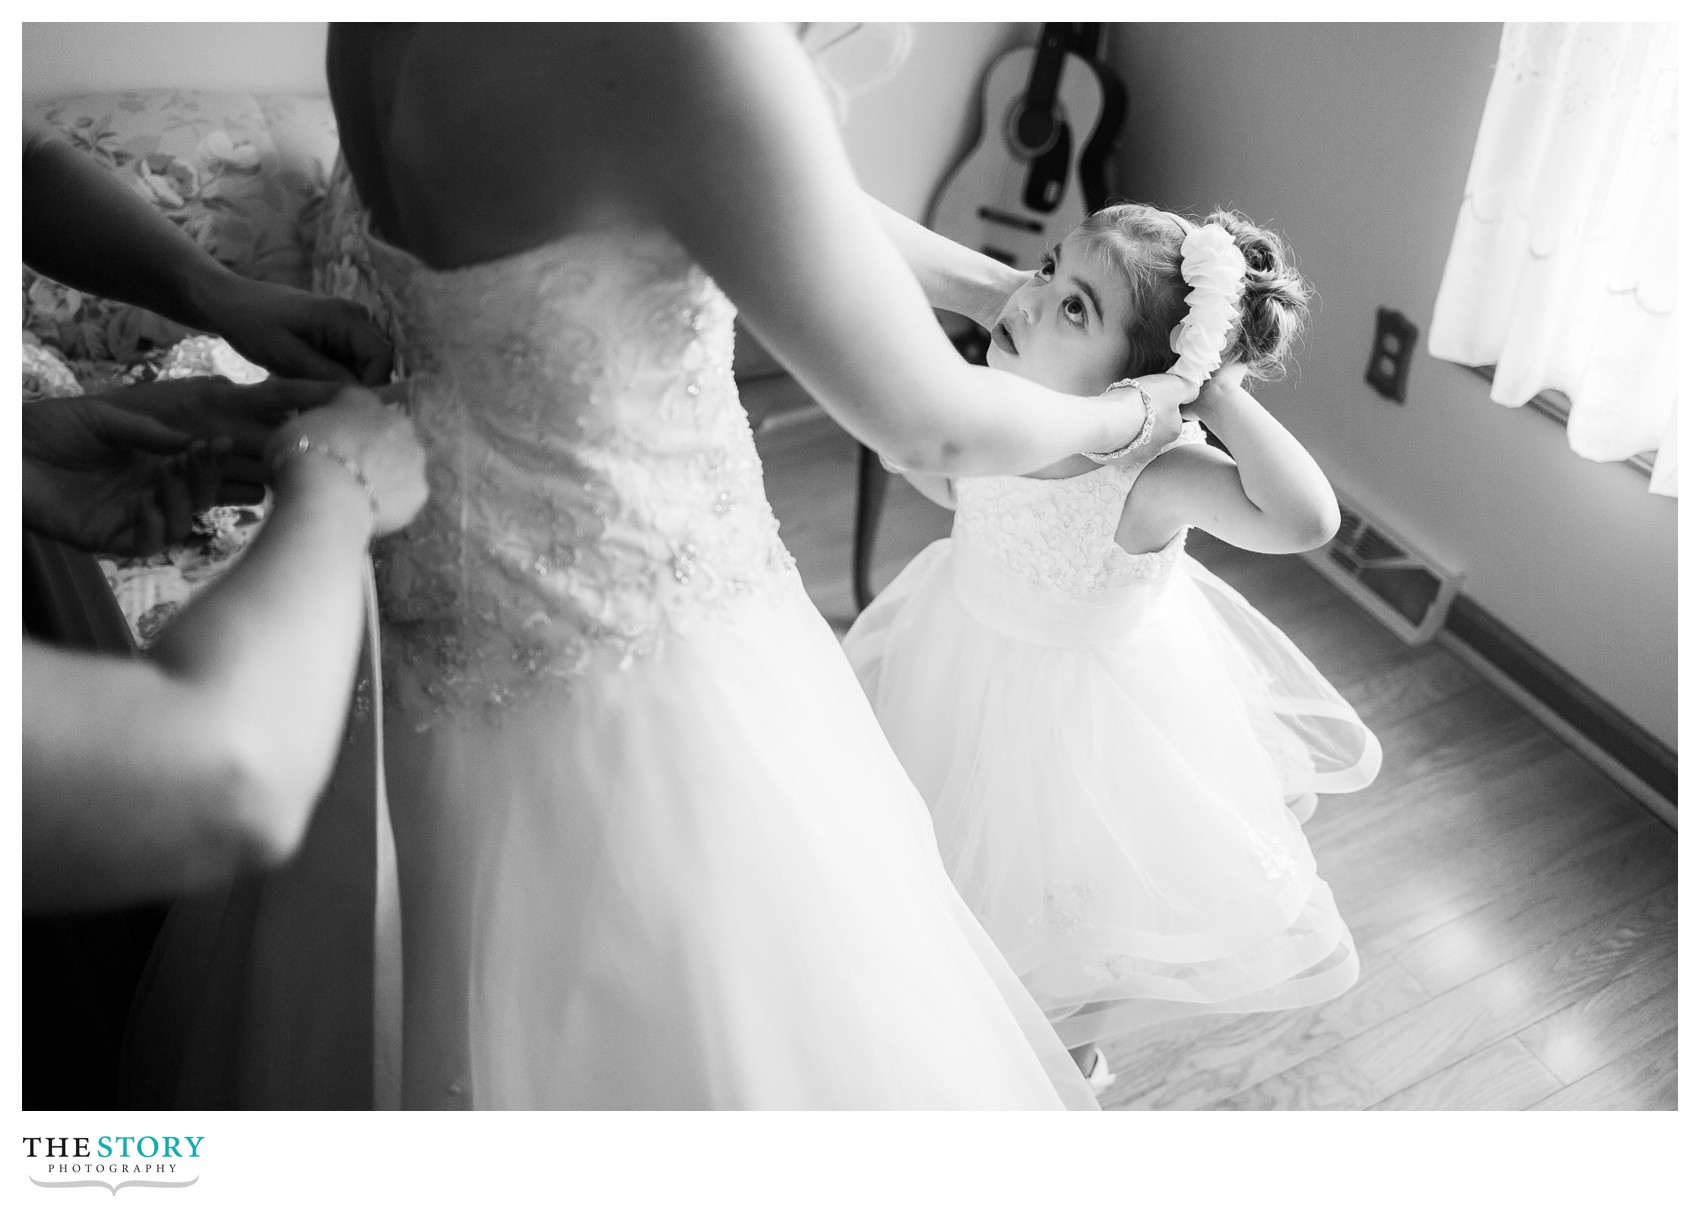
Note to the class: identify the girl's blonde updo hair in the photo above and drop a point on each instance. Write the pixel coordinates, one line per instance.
(1145, 243)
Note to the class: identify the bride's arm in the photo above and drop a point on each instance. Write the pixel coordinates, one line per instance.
(952, 276)
(153, 777)
(720, 134)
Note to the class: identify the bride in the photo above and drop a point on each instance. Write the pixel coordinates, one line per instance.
(653, 850)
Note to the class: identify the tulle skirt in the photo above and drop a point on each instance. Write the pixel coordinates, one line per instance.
(700, 881)
(1117, 785)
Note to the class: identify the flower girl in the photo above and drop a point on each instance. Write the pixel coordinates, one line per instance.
(1116, 748)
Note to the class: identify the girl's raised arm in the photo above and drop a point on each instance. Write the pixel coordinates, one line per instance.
(1268, 496)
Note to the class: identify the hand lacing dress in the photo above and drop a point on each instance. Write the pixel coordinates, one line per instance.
(654, 851)
(1117, 750)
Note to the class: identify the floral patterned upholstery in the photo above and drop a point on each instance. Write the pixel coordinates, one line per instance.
(244, 176)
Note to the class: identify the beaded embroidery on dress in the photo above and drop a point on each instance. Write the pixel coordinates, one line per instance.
(654, 851)
(594, 482)
(1117, 751)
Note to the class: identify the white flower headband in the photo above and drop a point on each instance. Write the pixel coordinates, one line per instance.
(1212, 264)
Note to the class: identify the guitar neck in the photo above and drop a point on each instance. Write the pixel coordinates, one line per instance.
(1047, 68)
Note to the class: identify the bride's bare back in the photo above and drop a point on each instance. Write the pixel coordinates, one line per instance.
(448, 132)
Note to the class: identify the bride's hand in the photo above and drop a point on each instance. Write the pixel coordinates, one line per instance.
(376, 439)
(1167, 394)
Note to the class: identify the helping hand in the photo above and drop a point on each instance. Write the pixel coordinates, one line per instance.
(300, 335)
(107, 480)
(379, 440)
(214, 408)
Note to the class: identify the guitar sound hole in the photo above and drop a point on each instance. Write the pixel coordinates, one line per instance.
(1035, 129)
(1032, 131)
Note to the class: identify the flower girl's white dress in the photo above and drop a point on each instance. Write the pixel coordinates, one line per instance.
(654, 851)
(1117, 751)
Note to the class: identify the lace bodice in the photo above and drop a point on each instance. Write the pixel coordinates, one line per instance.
(1060, 535)
(594, 481)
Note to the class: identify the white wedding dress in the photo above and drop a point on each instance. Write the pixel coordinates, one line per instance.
(654, 851)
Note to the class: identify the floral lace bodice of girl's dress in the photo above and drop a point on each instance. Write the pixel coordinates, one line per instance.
(594, 481)
(1060, 535)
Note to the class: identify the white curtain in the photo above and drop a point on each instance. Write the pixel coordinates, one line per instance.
(1563, 266)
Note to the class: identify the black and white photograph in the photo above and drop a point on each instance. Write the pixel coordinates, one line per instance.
(711, 565)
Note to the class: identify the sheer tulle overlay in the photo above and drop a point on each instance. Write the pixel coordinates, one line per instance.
(1118, 751)
(654, 850)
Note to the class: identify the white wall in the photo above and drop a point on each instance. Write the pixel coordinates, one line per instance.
(60, 58)
(905, 135)
(1355, 141)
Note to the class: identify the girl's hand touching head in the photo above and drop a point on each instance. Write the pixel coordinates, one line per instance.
(1228, 377)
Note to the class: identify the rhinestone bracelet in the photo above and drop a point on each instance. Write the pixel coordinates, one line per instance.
(1141, 437)
(305, 445)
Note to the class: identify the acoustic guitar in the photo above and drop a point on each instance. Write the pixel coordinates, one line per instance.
(1050, 115)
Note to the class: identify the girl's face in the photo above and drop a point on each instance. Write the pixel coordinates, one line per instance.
(1066, 328)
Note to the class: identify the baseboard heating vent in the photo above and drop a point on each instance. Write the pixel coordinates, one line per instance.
(1386, 574)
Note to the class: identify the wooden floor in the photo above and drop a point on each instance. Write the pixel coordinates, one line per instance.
(1515, 911)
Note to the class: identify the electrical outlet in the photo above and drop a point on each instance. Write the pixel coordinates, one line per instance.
(1390, 360)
